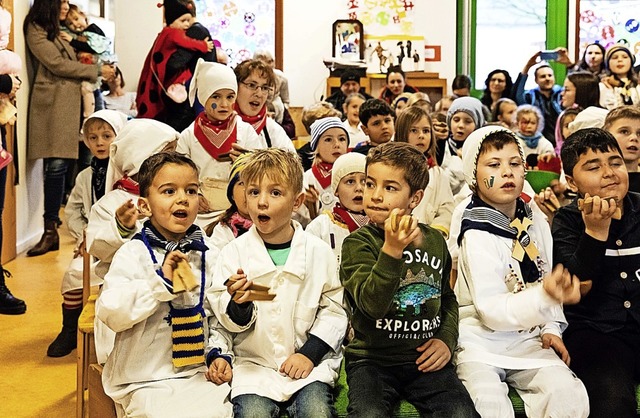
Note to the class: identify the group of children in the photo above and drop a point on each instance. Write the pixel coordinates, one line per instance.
(234, 282)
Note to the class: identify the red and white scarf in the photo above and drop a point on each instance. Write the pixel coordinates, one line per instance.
(258, 121)
(322, 172)
(216, 137)
(128, 185)
(352, 220)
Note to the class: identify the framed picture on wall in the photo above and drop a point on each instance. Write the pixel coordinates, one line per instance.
(348, 40)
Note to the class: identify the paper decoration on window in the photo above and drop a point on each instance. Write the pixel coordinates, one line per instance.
(241, 26)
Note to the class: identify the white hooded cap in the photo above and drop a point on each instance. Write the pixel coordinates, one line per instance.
(137, 141)
(116, 119)
(351, 162)
(471, 150)
(210, 77)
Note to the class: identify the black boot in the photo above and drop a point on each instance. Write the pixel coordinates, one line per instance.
(9, 304)
(67, 340)
(50, 241)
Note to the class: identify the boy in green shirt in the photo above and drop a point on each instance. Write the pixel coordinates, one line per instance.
(403, 311)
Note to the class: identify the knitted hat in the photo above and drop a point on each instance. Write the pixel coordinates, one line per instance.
(210, 77)
(471, 150)
(137, 141)
(349, 75)
(615, 48)
(469, 105)
(321, 126)
(591, 117)
(173, 9)
(351, 162)
(236, 168)
(115, 119)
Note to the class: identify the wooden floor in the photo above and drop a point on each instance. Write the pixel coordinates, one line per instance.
(32, 384)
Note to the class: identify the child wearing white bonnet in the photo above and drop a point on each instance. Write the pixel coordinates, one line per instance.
(348, 182)
(217, 136)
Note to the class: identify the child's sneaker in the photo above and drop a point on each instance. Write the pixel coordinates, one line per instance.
(5, 158)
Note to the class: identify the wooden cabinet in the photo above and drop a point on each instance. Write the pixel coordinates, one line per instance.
(372, 84)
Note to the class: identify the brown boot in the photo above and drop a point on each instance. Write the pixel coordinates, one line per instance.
(50, 241)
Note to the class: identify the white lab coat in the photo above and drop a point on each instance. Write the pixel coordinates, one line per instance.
(308, 299)
(77, 211)
(497, 326)
(134, 303)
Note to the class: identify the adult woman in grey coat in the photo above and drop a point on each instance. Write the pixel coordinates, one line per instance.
(55, 112)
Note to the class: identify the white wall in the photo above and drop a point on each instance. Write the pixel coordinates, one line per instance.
(307, 39)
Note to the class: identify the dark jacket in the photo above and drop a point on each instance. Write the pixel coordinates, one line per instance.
(613, 266)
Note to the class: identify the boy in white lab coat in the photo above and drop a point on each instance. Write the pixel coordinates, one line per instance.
(287, 351)
(157, 366)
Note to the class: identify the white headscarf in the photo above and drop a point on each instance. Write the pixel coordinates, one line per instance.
(137, 141)
(210, 77)
(471, 150)
(116, 119)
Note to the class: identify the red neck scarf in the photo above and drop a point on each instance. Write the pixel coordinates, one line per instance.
(216, 137)
(127, 185)
(258, 121)
(322, 172)
(239, 225)
(431, 162)
(352, 220)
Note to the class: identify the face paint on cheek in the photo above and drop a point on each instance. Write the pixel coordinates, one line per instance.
(489, 182)
(214, 106)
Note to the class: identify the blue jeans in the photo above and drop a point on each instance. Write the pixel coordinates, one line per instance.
(313, 400)
(55, 171)
(374, 391)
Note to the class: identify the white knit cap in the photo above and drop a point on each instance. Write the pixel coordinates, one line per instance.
(321, 126)
(591, 117)
(210, 77)
(471, 150)
(116, 119)
(351, 162)
(137, 141)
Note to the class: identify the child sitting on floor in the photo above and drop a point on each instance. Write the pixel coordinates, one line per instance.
(464, 116)
(511, 318)
(348, 181)
(377, 119)
(153, 298)
(115, 218)
(234, 221)
(217, 136)
(329, 140)
(415, 127)
(287, 340)
(404, 314)
(529, 123)
(99, 131)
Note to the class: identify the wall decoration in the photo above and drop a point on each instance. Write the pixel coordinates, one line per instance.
(608, 22)
(383, 17)
(390, 50)
(432, 52)
(241, 26)
(347, 40)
